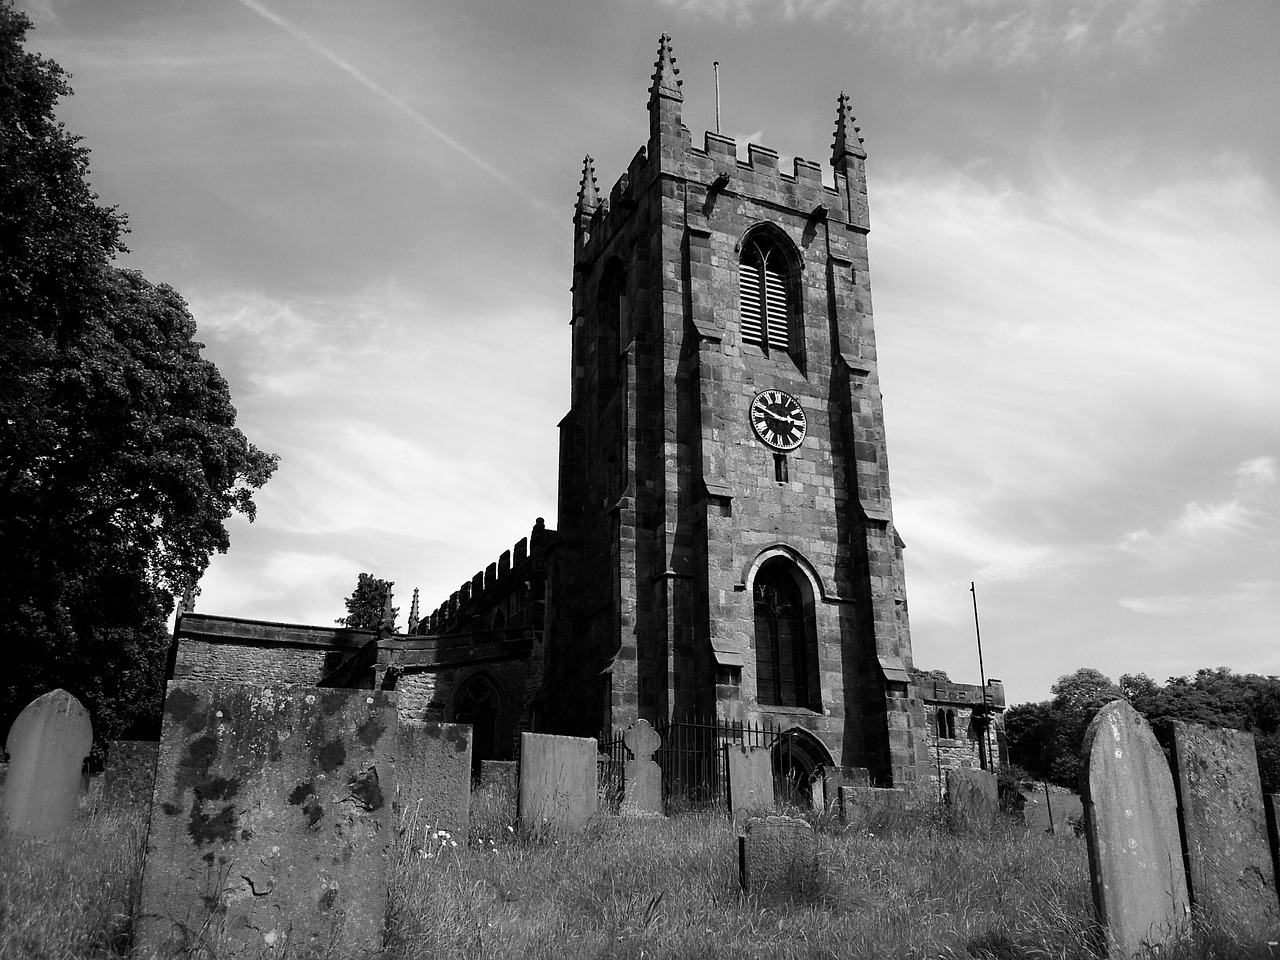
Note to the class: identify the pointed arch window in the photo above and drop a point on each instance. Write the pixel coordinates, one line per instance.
(479, 703)
(612, 309)
(764, 294)
(784, 638)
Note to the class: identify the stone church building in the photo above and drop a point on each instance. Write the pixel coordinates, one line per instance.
(725, 546)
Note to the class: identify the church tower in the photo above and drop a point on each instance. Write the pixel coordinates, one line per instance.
(726, 545)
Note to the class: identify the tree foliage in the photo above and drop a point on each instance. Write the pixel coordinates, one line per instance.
(366, 607)
(1045, 738)
(120, 460)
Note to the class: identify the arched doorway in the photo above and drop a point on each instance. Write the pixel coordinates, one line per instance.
(798, 759)
(479, 703)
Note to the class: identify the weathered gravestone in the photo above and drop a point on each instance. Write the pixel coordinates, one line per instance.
(433, 775)
(973, 797)
(1130, 815)
(271, 822)
(641, 777)
(47, 745)
(558, 790)
(130, 773)
(1230, 876)
(778, 855)
(501, 775)
(750, 776)
(1269, 802)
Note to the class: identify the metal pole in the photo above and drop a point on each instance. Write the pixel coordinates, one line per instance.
(716, 66)
(986, 733)
(937, 757)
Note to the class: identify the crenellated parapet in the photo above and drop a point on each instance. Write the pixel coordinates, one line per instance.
(713, 173)
(508, 594)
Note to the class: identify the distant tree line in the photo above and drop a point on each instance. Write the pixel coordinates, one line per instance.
(1045, 738)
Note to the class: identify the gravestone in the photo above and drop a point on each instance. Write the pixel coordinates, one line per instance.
(433, 775)
(1269, 801)
(641, 776)
(271, 822)
(130, 773)
(502, 775)
(1131, 825)
(558, 790)
(818, 793)
(778, 855)
(47, 745)
(973, 797)
(1230, 875)
(750, 771)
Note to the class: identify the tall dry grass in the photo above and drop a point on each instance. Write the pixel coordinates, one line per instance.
(893, 887)
(73, 895)
(669, 888)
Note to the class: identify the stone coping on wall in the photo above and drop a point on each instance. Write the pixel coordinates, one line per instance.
(218, 629)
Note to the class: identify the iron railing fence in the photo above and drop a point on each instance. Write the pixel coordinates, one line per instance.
(692, 758)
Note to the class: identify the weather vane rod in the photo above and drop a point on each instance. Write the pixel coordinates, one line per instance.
(715, 65)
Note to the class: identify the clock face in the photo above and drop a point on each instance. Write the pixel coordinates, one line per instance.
(778, 419)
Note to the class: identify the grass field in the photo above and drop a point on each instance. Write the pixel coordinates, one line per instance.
(890, 888)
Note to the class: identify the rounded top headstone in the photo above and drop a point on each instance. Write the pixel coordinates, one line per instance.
(47, 745)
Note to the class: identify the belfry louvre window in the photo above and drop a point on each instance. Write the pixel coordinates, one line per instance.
(762, 294)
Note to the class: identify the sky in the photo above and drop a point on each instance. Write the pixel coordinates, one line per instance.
(1075, 263)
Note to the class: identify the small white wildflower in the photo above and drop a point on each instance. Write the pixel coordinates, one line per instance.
(454, 842)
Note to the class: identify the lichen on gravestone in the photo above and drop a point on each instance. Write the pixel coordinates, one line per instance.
(1230, 873)
(777, 854)
(271, 823)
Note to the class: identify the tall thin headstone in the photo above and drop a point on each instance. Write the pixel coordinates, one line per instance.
(1230, 875)
(1131, 822)
(47, 745)
(750, 775)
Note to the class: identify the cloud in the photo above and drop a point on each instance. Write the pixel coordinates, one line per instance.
(1255, 594)
(952, 33)
(1250, 510)
(1257, 470)
(417, 438)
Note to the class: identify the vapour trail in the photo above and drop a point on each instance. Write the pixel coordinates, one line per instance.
(365, 80)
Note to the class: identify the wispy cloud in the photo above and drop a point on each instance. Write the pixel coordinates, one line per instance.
(952, 33)
(368, 82)
(1251, 504)
(1260, 593)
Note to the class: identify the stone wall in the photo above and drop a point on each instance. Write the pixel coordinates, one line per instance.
(952, 737)
(230, 648)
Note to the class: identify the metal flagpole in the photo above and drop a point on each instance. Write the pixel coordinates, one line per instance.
(986, 715)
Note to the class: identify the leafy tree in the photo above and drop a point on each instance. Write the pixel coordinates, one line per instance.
(366, 607)
(119, 456)
(1046, 737)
